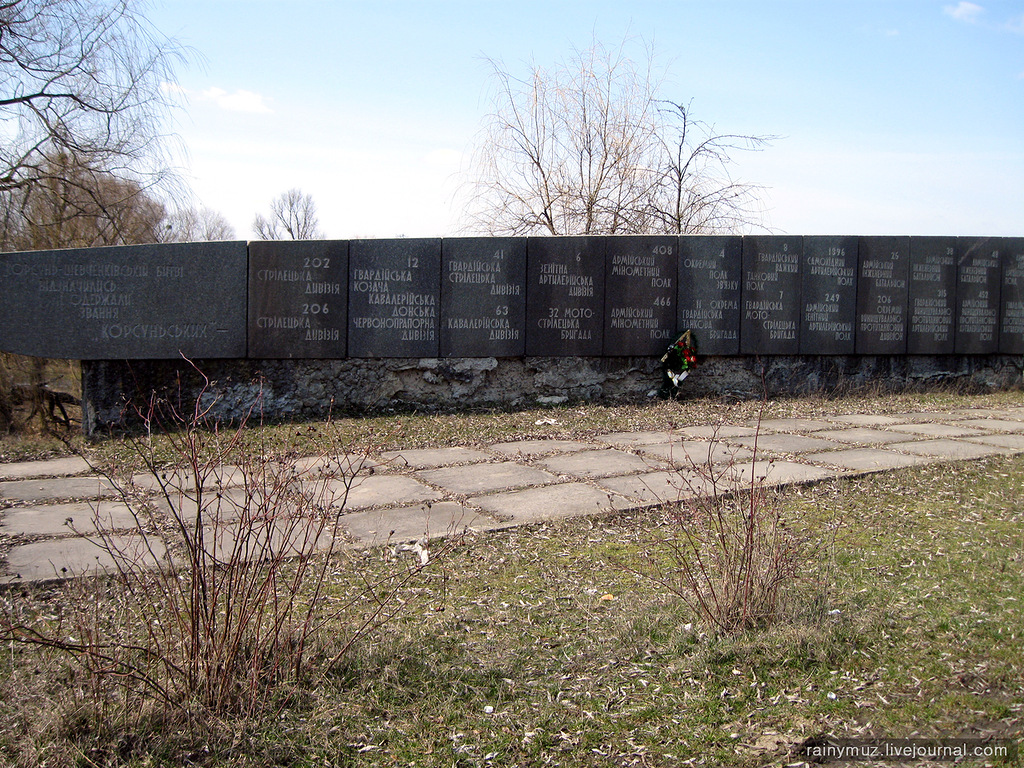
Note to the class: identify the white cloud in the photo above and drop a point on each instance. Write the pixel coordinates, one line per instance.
(239, 101)
(1016, 24)
(964, 11)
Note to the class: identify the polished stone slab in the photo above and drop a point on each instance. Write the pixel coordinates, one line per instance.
(770, 306)
(882, 294)
(977, 295)
(828, 298)
(710, 274)
(298, 299)
(483, 297)
(565, 296)
(640, 303)
(932, 295)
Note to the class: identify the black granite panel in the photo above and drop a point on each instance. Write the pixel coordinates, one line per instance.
(1011, 332)
(640, 298)
(931, 295)
(828, 296)
(125, 302)
(483, 297)
(710, 271)
(882, 292)
(394, 296)
(565, 296)
(978, 276)
(770, 321)
(298, 299)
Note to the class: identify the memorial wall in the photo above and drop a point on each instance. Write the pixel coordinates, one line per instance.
(581, 297)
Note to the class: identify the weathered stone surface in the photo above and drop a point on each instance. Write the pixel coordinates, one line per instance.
(394, 296)
(125, 302)
(865, 459)
(882, 291)
(770, 309)
(484, 478)
(54, 489)
(483, 297)
(67, 519)
(710, 271)
(828, 295)
(565, 296)
(951, 449)
(640, 300)
(977, 296)
(1011, 314)
(601, 463)
(428, 458)
(75, 556)
(553, 502)
(298, 299)
(932, 295)
(62, 467)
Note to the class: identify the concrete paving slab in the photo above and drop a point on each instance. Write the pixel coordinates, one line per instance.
(949, 449)
(711, 432)
(388, 526)
(786, 443)
(222, 506)
(994, 425)
(866, 419)
(665, 487)
(936, 430)
(925, 416)
(686, 453)
(261, 540)
(772, 473)
(67, 519)
(603, 463)
(77, 556)
(63, 467)
(185, 479)
(483, 478)
(1013, 442)
(379, 491)
(865, 459)
(988, 413)
(344, 465)
(552, 502)
(429, 458)
(794, 425)
(861, 436)
(633, 439)
(530, 448)
(57, 489)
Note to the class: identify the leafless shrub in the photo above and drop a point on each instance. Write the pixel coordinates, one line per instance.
(230, 579)
(732, 554)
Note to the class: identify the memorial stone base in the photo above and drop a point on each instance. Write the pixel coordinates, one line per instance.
(115, 393)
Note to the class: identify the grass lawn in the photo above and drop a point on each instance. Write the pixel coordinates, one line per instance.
(538, 646)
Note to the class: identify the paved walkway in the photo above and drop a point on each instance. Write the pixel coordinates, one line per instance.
(406, 495)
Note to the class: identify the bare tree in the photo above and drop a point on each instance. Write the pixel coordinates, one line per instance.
(196, 225)
(292, 217)
(589, 147)
(83, 78)
(75, 205)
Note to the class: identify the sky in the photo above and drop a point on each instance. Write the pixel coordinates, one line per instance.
(891, 116)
